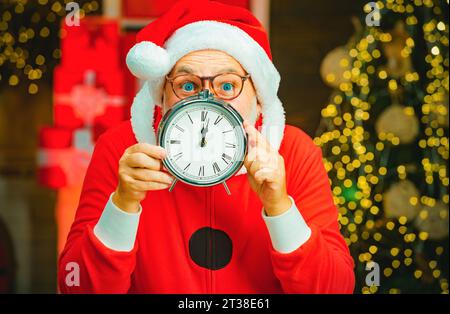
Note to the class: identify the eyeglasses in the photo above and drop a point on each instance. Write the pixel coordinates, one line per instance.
(226, 86)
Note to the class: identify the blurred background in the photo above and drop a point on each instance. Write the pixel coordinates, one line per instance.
(367, 80)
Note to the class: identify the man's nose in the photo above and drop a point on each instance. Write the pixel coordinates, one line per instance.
(207, 85)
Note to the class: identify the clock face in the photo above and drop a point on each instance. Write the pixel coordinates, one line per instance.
(205, 142)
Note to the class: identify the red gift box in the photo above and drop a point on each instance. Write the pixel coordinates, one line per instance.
(63, 156)
(86, 95)
(93, 44)
(52, 140)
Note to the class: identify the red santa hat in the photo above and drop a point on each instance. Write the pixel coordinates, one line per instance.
(197, 25)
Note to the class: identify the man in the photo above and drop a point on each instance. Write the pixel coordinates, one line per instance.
(277, 232)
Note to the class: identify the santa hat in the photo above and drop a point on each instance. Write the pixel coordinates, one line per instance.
(197, 25)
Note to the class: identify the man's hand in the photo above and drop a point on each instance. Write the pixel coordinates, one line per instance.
(266, 173)
(140, 170)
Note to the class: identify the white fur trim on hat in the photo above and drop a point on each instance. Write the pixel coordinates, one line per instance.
(143, 109)
(199, 36)
(147, 60)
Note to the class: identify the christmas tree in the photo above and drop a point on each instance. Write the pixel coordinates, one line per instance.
(384, 135)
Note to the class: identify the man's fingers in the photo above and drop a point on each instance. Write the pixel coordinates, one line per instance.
(261, 160)
(141, 160)
(150, 175)
(265, 174)
(259, 164)
(257, 156)
(258, 146)
(249, 129)
(251, 155)
(143, 186)
(255, 166)
(148, 149)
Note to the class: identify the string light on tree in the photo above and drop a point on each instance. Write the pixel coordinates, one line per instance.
(29, 36)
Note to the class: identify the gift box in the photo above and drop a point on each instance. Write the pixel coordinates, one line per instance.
(63, 156)
(92, 92)
(86, 95)
(51, 142)
(93, 44)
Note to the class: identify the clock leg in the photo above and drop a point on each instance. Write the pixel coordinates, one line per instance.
(173, 185)
(226, 188)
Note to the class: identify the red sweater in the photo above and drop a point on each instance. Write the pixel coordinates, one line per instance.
(163, 258)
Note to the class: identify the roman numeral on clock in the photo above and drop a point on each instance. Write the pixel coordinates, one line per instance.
(218, 119)
(185, 168)
(178, 156)
(179, 128)
(226, 158)
(204, 114)
(230, 145)
(216, 168)
(201, 171)
(175, 141)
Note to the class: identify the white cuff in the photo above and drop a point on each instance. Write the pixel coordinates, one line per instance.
(288, 231)
(117, 229)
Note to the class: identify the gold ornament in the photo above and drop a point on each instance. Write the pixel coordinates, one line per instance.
(397, 52)
(401, 200)
(442, 110)
(399, 121)
(434, 221)
(333, 66)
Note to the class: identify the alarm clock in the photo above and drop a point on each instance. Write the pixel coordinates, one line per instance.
(205, 141)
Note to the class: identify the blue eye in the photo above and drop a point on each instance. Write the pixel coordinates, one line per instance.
(227, 87)
(188, 87)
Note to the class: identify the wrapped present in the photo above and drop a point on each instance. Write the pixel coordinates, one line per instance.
(63, 156)
(79, 104)
(89, 94)
(131, 85)
(94, 44)
(52, 141)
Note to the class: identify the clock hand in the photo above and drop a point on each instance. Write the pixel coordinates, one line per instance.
(203, 132)
(207, 124)
(205, 128)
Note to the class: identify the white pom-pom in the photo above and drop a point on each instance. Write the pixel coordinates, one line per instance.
(147, 60)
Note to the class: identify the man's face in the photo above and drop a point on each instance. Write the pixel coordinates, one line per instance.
(206, 63)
